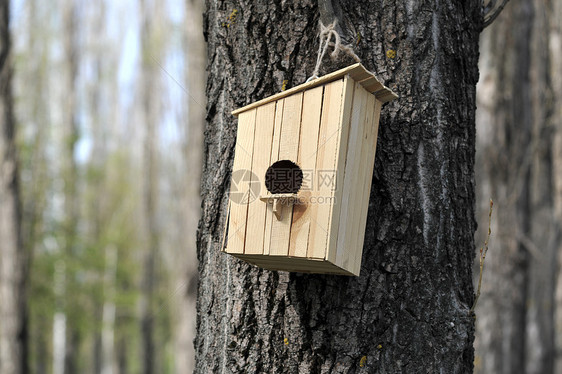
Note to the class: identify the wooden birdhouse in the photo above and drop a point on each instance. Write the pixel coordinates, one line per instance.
(302, 174)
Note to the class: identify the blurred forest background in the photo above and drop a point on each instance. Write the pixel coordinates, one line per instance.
(108, 105)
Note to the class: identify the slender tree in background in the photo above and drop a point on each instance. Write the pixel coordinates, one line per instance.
(12, 274)
(65, 334)
(409, 309)
(555, 51)
(149, 107)
(105, 204)
(193, 153)
(33, 116)
(518, 163)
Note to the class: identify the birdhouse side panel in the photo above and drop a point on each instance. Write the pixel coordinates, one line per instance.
(288, 150)
(306, 159)
(366, 181)
(350, 245)
(261, 156)
(241, 181)
(340, 153)
(352, 175)
(323, 193)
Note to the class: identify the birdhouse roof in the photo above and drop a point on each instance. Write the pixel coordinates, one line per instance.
(356, 71)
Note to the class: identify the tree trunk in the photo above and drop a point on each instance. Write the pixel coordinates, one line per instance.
(149, 106)
(64, 331)
(193, 152)
(30, 71)
(108, 317)
(12, 274)
(555, 60)
(516, 167)
(409, 309)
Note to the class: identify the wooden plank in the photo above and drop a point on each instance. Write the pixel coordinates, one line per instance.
(372, 85)
(353, 167)
(363, 195)
(355, 218)
(240, 182)
(339, 166)
(358, 75)
(385, 95)
(288, 150)
(362, 200)
(312, 108)
(296, 264)
(274, 156)
(372, 125)
(257, 209)
(325, 154)
(352, 70)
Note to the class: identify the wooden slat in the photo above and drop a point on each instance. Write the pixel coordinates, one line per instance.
(274, 156)
(288, 150)
(385, 95)
(240, 186)
(363, 195)
(339, 166)
(359, 75)
(297, 264)
(352, 70)
(373, 85)
(372, 125)
(353, 166)
(361, 199)
(265, 121)
(312, 108)
(325, 155)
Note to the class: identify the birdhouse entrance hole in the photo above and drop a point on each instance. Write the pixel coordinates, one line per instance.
(283, 177)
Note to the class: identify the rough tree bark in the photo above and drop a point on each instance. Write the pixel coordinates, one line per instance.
(516, 165)
(409, 309)
(12, 280)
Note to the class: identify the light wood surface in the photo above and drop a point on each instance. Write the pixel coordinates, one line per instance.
(372, 124)
(356, 71)
(274, 156)
(241, 186)
(288, 150)
(308, 143)
(353, 169)
(265, 121)
(325, 154)
(339, 166)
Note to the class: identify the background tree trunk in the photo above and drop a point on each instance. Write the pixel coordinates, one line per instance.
(66, 338)
(193, 152)
(555, 50)
(409, 309)
(150, 104)
(516, 166)
(12, 271)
